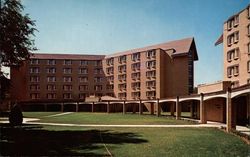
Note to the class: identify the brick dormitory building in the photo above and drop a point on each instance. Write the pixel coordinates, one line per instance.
(154, 78)
(157, 71)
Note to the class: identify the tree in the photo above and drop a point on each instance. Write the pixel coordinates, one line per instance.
(16, 116)
(16, 31)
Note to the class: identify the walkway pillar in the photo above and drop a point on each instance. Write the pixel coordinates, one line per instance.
(248, 108)
(124, 107)
(92, 107)
(62, 107)
(45, 107)
(108, 105)
(172, 109)
(231, 123)
(178, 108)
(192, 109)
(203, 117)
(77, 106)
(158, 105)
(152, 108)
(134, 108)
(140, 108)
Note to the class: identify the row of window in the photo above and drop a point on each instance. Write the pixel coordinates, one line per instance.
(65, 95)
(65, 79)
(234, 70)
(137, 85)
(134, 57)
(36, 87)
(137, 95)
(67, 62)
(36, 70)
(134, 76)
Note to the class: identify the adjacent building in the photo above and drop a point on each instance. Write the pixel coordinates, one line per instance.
(236, 45)
(158, 71)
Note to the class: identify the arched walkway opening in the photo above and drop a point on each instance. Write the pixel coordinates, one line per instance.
(242, 109)
(215, 109)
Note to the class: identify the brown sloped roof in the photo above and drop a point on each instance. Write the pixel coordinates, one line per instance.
(180, 46)
(66, 56)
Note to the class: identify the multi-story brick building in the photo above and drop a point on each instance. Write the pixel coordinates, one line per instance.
(236, 44)
(157, 71)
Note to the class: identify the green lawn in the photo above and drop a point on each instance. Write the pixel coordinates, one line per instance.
(104, 118)
(38, 140)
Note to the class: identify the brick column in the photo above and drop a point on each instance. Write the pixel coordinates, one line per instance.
(92, 107)
(192, 109)
(140, 108)
(45, 107)
(152, 108)
(77, 107)
(124, 107)
(62, 107)
(158, 105)
(248, 108)
(231, 123)
(108, 105)
(172, 109)
(178, 108)
(203, 117)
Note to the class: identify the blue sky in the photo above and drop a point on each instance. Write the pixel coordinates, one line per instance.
(108, 26)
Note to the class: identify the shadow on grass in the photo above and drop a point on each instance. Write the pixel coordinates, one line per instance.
(33, 140)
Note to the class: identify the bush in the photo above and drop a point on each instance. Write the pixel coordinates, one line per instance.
(16, 116)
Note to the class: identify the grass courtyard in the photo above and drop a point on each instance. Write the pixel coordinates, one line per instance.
(33, 140)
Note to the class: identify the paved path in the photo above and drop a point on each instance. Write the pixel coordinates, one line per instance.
(59, 114)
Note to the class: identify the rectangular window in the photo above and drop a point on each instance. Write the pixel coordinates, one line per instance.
(110, 79)
(98, 79)
(151, 94)
(98, 71)
(51, 62)
(151, 54)
(34, 61)
(67, 87)
(34, 70)
(122, 95)
(83, 87)
(151, 64)
(97, 63)
(229, 72)
(51, 87)
(236, 20)
(248, 66)
(151, 84)
(67, 79)
(122, 77)
(82, 95)
(83, 63)
(248, 48)
(122, 87)
(51, 96)
(122, 59)
(98, 87)
(110, 87)
(51, 70)
(110, 61)
(67, 62)
(67, 70)
(34, 79)
(248, 10)
(83, 71)
(135, 95)
(35, 96)
(83, 79)
(136, 85)
(230, 24)
(150, 74)
(67, 96)
(236, 70)
(122, 68)
(136, 76)
(135, 66)
(135, 56)
(34, 87)
(51, 79)
(110, 70)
